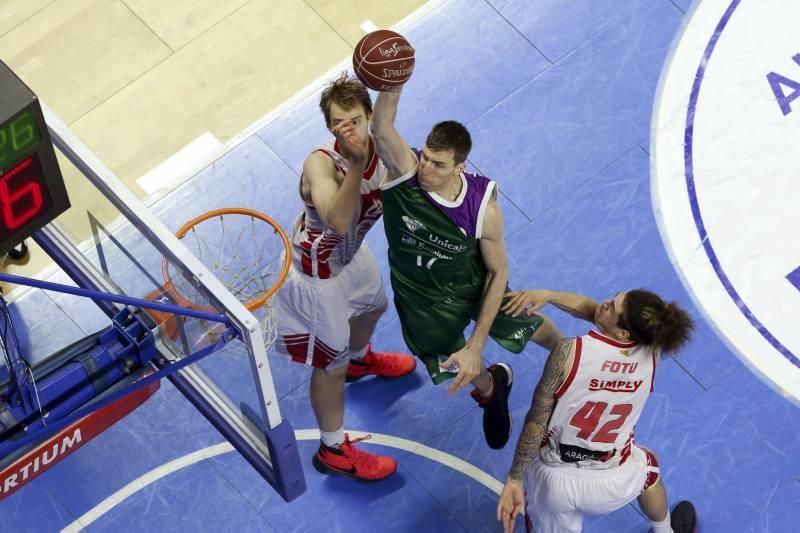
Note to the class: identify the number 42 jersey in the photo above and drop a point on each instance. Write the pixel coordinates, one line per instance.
(599, 403)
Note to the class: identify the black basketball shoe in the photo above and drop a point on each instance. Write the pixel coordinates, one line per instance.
(496, 417)
(683, 517)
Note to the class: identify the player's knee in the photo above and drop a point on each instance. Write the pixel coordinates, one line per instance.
(382, 308)
(335, 373)
(338, 372)
(374, 314)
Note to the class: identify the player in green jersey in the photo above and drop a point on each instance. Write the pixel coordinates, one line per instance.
(448, 263)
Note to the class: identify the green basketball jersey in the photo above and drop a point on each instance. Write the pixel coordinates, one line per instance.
(434, 255)
(437, 270)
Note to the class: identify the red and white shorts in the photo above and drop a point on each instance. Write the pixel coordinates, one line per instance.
(313, 314)
(556, 497)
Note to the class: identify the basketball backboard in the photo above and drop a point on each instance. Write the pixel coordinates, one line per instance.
(113, 240)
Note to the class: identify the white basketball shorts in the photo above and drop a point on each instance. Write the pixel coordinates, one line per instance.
(313, 314)
(556, 497)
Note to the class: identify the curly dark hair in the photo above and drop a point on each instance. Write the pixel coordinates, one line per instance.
(653, 322)
(348, 93)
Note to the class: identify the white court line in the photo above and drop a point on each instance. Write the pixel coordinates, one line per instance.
(368, 26)
(303, 434)
(185, 161)
(313, 88)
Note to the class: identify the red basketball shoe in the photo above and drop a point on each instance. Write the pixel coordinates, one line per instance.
(347, 460)
(384, 364)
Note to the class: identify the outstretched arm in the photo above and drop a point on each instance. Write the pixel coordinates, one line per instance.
(555, 371)
(532, 300)
(391, 147)
(493, 251)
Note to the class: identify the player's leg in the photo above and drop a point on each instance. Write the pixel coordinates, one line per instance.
(363, 326)
(432, 330)
(653, 497)
(364, 361)
(682, 518)
(547, 334)
(313, 330)
(362, 283)
(337, 454)
(327, 400)
(550, 496)
(653, 502)
(493, 385)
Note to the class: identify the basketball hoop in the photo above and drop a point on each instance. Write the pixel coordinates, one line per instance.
(247, 251)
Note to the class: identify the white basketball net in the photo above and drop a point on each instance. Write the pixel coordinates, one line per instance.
(247, 255)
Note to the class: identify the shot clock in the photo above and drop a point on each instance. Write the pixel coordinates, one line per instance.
(32, 191)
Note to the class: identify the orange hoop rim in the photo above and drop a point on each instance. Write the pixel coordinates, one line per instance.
(252, 305)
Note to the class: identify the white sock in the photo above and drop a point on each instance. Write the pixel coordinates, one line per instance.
(661, 527)
(359, 354)
(332, 439)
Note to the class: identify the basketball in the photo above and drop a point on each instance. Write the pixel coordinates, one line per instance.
(383, 60)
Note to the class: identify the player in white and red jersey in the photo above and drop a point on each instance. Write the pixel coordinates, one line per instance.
(576, 453)
(333, 296)
(321, 251)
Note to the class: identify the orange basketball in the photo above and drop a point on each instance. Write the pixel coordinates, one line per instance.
(383, 60)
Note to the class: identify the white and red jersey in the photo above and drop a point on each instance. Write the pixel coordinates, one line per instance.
(599, 403)
(320, 252)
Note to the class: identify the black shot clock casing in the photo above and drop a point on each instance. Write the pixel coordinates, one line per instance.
(32, 190)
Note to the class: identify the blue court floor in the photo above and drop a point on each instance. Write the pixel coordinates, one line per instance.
(558, 97)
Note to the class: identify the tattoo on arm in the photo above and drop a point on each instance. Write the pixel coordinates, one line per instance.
(544, 402)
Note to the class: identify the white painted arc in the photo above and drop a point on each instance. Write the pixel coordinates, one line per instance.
(303, 434)
(142, 481)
